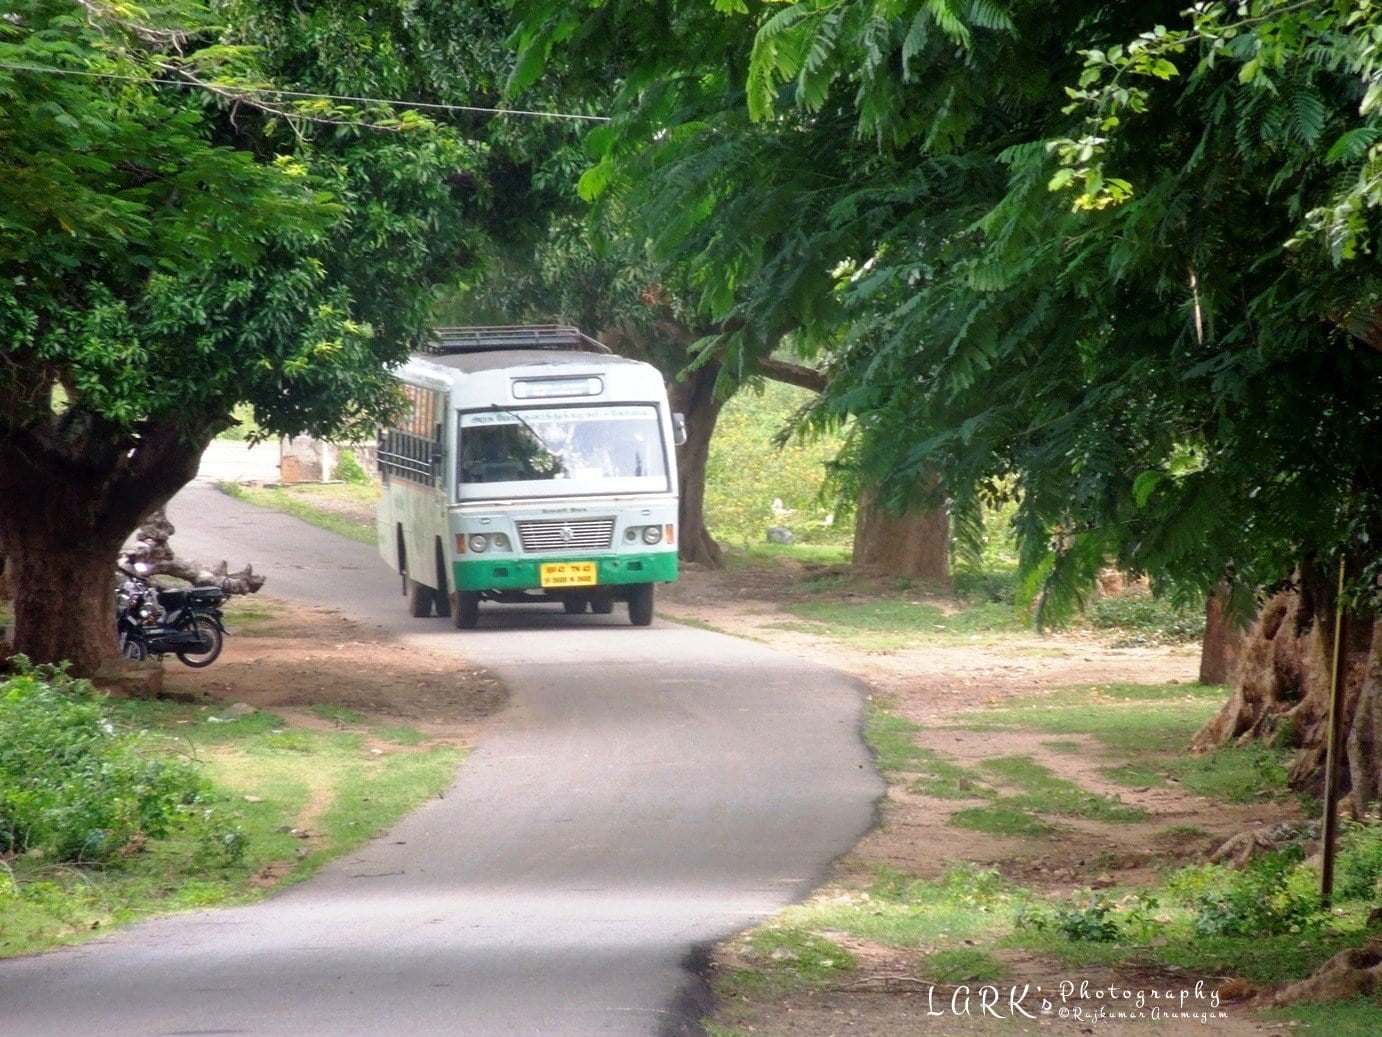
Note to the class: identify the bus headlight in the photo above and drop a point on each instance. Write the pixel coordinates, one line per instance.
(631, 534)
(479, 542)
(499, 541)
(652, 534)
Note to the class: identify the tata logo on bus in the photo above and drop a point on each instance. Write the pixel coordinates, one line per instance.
(567, 534)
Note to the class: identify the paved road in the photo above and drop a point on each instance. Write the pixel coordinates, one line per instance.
(648, 792)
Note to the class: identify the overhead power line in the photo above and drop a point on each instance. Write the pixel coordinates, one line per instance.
(251, 92)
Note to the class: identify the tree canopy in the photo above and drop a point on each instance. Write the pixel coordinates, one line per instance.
(177, 236)
(1174, 372)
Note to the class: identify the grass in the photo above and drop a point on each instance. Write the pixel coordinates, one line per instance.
(303, 502)
(275, 778)
(1043, 792)
(1357, 1015)
(967, 923)
(886, 624)
(1143, 730)
(1006, 817)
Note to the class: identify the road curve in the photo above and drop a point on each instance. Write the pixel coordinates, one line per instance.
(647, 792)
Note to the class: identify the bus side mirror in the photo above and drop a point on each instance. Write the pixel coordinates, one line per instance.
(679, 429)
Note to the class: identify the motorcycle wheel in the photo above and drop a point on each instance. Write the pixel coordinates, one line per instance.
(133, 648)
(197, 660)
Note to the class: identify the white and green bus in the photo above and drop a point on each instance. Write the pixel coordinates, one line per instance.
(531, 465)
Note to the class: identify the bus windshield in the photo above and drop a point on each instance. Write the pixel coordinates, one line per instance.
(565, 451)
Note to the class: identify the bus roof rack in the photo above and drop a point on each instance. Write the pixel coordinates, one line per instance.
(512, 336)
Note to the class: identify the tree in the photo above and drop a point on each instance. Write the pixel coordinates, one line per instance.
(170, 251)
(1175, 373)
(682, 66)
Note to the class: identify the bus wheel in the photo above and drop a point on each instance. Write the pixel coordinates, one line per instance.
(574, 606)
(465, 609)
(441, 598)
(421, 598)
(641, 604)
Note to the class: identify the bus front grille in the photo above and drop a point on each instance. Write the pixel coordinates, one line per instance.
(573, 535)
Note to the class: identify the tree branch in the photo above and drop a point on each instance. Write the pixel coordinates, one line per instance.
(793, 374)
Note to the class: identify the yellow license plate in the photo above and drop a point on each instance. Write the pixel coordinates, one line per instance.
(568, 574)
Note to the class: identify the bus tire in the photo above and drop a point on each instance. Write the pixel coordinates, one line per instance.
(641, 604)
(465, 610)
(441, 598)
(574, 606)
(421, 599)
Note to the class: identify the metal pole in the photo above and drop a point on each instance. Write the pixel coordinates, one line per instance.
(1329, 828)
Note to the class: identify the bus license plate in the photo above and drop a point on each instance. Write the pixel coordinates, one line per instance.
(568, 574)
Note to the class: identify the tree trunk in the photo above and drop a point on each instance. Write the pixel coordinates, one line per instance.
(694, 396)
(915, 544)
(1222, 644)
(1281, 694)
(71, 490)
(64, 599)
(1365, 734)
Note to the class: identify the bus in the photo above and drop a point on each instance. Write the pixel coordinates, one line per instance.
(529, 465)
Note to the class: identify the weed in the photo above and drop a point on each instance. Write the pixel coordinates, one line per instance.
(73, 787)
(1145, 619)
(1359, 865)
(348, 470)
(1260, 901)
(276, 778)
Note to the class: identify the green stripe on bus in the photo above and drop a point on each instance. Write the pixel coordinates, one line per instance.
(508, 574)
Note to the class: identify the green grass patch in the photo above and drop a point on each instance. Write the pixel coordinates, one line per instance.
(304, 502)
(1043, 792)
(1142, 619)
(963, 965)
(750, 556)
(1236, 774)
(337, 714)
(900, 910)
(889, 624)
(400, 735)
(1066, 748)
(1158, 719)
(244, 611)
(268, 778)
(747, 471)
(1356, 1015)
(1006, 817)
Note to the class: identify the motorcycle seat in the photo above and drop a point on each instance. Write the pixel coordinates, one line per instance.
(195, 596)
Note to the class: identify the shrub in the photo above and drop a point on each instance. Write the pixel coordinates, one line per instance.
(71, 786)
(1092, 922)
(1263, 900)
(348, 469)
(1147, 619)
(1359, 866)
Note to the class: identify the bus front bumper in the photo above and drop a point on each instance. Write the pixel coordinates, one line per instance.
(502, 574)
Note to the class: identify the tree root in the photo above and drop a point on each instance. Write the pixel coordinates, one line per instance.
(1348, 974)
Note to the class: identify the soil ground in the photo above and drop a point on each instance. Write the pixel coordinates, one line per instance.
(300, 662)
(932, 684)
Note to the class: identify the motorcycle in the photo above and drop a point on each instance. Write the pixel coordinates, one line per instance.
(186, 623)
